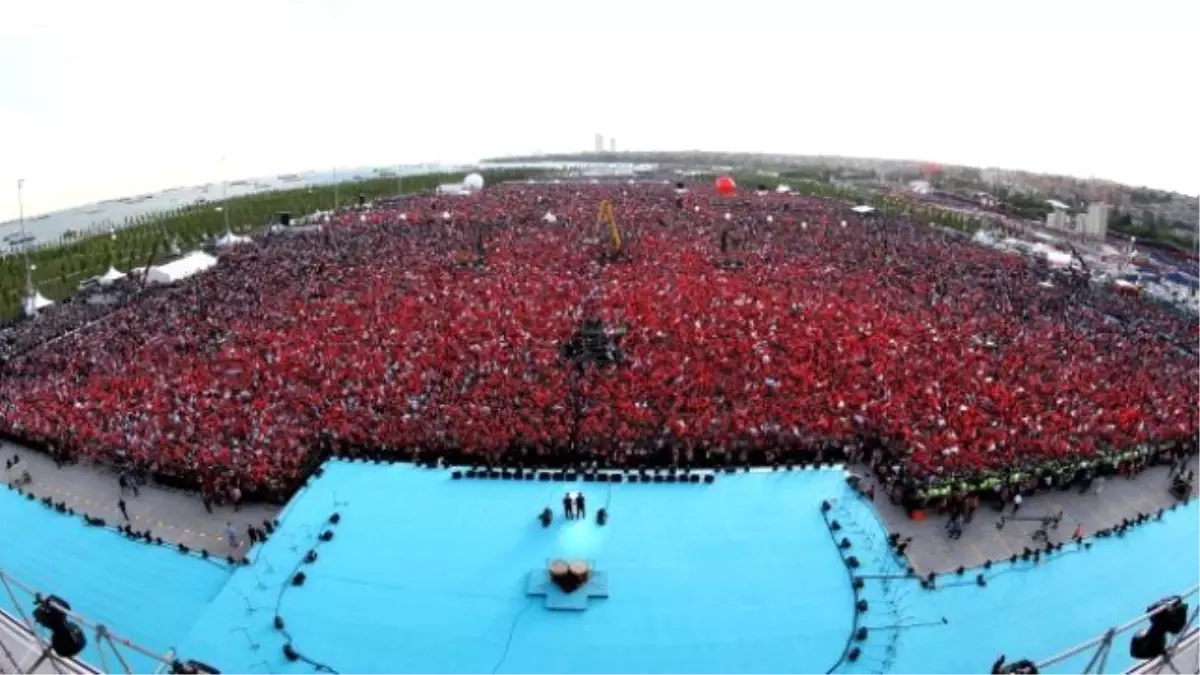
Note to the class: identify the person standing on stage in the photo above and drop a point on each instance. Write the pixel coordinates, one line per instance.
(580, 507)
(568, 512)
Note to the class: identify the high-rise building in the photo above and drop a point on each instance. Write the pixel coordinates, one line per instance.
(612, 145)
(1096, 222)
(599, 142)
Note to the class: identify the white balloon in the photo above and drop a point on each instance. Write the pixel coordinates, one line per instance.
(473, 182)
(445, 215)
(728, 217)
(697, 209)
(770, 219)
(843, 223)
(403, 216)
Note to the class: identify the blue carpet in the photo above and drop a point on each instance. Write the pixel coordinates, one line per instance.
(428, 574)
(145, 593)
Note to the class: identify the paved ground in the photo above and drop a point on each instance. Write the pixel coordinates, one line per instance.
(932, 551)
(174, 515)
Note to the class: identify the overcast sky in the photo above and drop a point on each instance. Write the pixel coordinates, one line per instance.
(105, 99)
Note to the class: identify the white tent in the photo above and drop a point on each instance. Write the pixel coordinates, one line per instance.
(453, 189)
(864, 209)
(34, 303)
(113, 274)
(230, 239)
(177, 270)
(783, 189)
(550, 218)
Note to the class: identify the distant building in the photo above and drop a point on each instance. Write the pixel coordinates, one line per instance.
(1096, 221)
(612, 145)
(599, 142)
(1058, 219)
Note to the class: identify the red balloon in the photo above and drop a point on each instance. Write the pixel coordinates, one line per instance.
(725, 185)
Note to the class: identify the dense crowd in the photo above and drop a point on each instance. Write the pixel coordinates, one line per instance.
(746, 328)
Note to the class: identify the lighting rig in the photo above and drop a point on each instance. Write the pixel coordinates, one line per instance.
(68, 634)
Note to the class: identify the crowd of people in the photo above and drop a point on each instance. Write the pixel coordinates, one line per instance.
(748, 328)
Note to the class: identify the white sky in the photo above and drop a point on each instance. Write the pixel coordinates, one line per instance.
(105, 99)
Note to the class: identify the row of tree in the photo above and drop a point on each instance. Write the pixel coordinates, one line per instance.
(151, 238)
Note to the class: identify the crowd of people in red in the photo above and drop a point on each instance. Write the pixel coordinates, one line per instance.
(758, 326)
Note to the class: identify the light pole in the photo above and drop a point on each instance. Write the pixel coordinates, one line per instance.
(24, 236)
(225, 194)
(335, 189)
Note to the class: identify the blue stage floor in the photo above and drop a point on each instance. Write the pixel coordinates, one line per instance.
(428, 574)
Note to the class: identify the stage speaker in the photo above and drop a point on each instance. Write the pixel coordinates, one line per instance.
(708, 478)
(544, 476)
(633, 478)
(456, 475)
(559, 475)
(616, 478)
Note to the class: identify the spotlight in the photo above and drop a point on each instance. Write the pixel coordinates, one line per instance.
(310, 557)
(326, 535)
(191, 667)
(547, 517)
(853, 654)
(960, 570)
(852, 562)
(66, 637)
(859, 583)
(230, 559)
(861, 606)
(289, 653)
(335, 518)
(602, 517)
(204, 554)
(987, 564)
(788, 466)
(279, 623)
(826, 506)
(183, 548)
(1169, 615)
(835, 526)
(980, 580)
(861, 634)
(298, 580)
(845, 543)
(1013, 559)
(1022, 667)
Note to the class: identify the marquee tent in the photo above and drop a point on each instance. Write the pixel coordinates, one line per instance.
(177, 270)
(35, 302)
